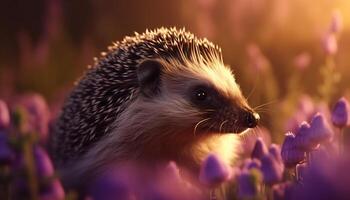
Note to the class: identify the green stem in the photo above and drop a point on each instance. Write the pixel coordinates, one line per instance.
(31, 172)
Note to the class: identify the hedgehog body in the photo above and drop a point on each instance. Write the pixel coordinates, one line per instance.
(158, 96)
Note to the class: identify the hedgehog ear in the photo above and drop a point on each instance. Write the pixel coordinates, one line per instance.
(148, 75)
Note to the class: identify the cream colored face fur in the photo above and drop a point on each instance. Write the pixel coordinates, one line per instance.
(164, 127)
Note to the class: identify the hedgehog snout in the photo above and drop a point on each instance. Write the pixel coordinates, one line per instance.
(251, 119)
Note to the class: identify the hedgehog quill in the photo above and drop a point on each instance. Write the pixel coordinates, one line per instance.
(154, 97)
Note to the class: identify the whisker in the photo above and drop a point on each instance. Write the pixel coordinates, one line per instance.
(253, 89)
(265, 104)
(257, 134)
(257, 131)
(222, 125)
(268, 111)
(195, 127)
(263, 111)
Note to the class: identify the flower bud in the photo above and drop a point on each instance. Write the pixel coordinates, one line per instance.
(320, 130)
(214, 171)
(259, 149)
(340, 113)
(291, 155)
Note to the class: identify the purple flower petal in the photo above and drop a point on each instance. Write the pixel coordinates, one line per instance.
(325, 178)
(319, 155)
(260, 149)
(340, 113)
(110, 186)
(271, 169)
(213, 171)
(291, 155)
(303, 139)
(43, 163)
(251, 163)
(249, 182)
(248, 143)
(320, 129)
(275, 151)
(7, 155)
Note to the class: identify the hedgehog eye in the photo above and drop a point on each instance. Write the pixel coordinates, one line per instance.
(201, 94)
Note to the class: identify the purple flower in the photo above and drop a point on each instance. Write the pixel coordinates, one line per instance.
(340, 113)
(4, 115)
(249, 182)
(320, 130)
(43, 163)
(303, 139)
(271, 169)
(275, 151)
(291, 155)
(48, 185)
(319, 155)
(260, 149)
(248, 142)
(110, 186)
(251, 163)
(214, 171)
(326, 179)
(7, 155)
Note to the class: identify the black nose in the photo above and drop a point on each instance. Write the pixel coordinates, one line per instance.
(252, 119)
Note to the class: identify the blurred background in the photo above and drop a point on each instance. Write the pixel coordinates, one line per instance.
(288, 55)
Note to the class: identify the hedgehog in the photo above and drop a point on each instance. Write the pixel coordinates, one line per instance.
(164, 95)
